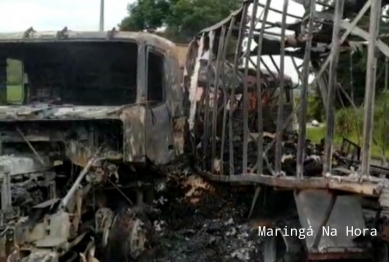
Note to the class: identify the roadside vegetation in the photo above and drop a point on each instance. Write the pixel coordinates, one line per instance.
(349, 124)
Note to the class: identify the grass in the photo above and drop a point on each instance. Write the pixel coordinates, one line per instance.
(316, 134)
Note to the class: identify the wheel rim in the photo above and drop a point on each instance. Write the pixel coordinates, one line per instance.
(137, 239)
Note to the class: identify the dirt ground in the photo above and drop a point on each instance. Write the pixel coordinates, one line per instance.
(202, 222)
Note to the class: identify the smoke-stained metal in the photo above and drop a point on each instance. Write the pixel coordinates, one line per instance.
(280, 117)
(254, 137)
(349, 29)
(207, 91)
(225, 93)
(259, 163)
(245, 90)
(215, 107)
(234, 80)
(193, 84)
(371, 65)
(330, 112)
(304, 95)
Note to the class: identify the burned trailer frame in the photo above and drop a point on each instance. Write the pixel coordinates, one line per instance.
(325, 187)
(76, 162)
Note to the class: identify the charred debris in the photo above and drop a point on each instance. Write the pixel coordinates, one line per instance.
(100, 116)
(80, 146)
(242, 118)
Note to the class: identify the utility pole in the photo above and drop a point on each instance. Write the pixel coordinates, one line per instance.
(101, 28)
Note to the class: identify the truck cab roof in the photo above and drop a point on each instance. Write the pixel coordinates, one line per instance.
(32, 36)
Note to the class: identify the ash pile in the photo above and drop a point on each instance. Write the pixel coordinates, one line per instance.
(312, 163)
(199, 221)
(346, 157)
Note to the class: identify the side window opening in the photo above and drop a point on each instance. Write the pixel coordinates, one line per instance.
(155, 78)
(14, 81)
(76, 73)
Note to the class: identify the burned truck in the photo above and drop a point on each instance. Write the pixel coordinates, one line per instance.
(311, 201)
(95, 114)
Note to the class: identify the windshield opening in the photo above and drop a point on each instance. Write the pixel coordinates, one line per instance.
(76, 73)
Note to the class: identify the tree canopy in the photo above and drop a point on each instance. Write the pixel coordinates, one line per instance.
(182, 18)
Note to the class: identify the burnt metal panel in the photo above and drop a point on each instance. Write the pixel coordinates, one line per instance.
(134, 137)
(159, 134)
(174, 90)
(141, 73)
(52, 36)
(158, 117)
(384, 198)
(312, 206)
(22, 165)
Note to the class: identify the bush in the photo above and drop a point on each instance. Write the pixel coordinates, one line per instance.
(315, 108)
(349, 123)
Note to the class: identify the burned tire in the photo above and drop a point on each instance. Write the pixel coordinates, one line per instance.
(127, 238)
(282, 247)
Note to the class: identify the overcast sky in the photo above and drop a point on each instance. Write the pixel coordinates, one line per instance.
(19, 15)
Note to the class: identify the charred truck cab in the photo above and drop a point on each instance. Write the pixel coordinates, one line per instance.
(95, 110)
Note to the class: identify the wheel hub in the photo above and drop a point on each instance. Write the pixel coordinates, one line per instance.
(137, 238)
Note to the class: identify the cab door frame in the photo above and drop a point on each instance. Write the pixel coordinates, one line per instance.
(158, 120)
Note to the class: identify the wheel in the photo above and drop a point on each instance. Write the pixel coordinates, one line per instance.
(281, 247)
(128, 237)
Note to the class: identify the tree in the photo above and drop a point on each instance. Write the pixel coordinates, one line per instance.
(351, 72)
(182, 18)
(145, 14)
